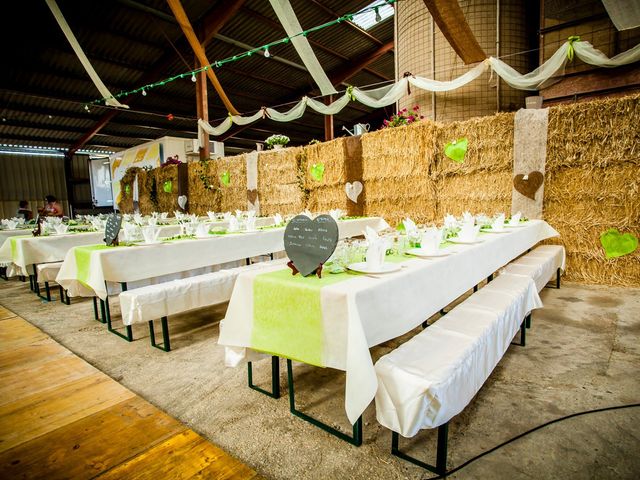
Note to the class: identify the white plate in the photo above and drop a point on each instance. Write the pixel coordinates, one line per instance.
(419, 252)
(495, 231)
(466, 242)
(384, 268)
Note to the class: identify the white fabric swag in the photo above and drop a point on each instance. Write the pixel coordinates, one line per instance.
(104, 91)
(389, 94)
(291, 25)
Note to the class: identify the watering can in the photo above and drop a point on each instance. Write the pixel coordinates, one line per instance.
(358, 129)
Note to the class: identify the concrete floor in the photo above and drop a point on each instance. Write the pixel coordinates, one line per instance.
(583, 352)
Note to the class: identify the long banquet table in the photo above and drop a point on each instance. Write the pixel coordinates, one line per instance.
(93, 266)
(355, 312)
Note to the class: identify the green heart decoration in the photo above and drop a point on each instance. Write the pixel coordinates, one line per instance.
(457, 149)
(167, 186)
(616, 244)
(127, 189)
(317, 171)
(225, 178)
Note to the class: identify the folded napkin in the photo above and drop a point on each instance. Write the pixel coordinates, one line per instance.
(250, 224)
(498, 222)
(212, 216)
(150, 234)
(376, 249)
(131, 231)
(467, 217)
(410, 227)
(202, 230)
(53, 221)
(11, 224)
(277, 219)
(450, 221)
(233, 224)
(178, 214)
(227, 216)
(431, 239)
(251, 214)
(139, 219)
(164, 215)
(468, 232)
(239, 213)
(155, 214)
(153, 221)
(336, 214)
(62, 228)
(515, 219)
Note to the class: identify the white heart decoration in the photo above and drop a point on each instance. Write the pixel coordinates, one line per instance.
(182, 201)
(353, 190)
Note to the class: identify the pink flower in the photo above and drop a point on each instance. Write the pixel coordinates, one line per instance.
(417, 107)
(403, 110)
(385, 123)
(421, 117)
(411, 118)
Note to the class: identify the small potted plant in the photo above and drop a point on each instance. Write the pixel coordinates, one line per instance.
(276, 141)
(403, 117)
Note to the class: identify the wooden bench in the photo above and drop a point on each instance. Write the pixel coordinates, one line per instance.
(152, 302)
(431, 378)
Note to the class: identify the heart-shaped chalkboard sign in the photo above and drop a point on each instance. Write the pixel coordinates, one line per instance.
(616, 244)
(529, 184)
(112, 229)
(310, 243)
(252, 196)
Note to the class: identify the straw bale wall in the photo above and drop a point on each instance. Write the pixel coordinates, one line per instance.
(280, 181)
(167, 202)
(147, 192)
(329, 192)
(232, 196)
(593, 184)
(482, 183)
(397, 172)
(202, 174)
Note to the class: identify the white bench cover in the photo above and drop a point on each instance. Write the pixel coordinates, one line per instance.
(47, 272)
(431, 378)
(152, 302)
(540, 264)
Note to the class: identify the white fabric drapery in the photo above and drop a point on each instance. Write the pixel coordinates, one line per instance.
(389, 94)
(291, 25)
(104, 91)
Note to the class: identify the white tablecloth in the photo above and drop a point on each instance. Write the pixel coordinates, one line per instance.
(53, 248)
(128, 264)
(364, 311)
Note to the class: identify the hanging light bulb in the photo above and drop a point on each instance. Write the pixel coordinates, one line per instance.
(193, 77)
(378, 16)
(144, 92)
(266, 52)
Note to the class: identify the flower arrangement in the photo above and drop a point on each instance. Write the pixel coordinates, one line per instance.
(403, 117)
(276, 140)
(171, 161)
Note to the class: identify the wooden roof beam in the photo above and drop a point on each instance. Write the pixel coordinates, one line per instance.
(452, 23)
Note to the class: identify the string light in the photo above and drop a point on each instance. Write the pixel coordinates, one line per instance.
(234, 58)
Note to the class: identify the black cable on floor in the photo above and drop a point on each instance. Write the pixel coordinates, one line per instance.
(517, 437)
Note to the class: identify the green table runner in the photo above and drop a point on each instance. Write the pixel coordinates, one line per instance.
(14, 246)
(287, 313)
(83, 260)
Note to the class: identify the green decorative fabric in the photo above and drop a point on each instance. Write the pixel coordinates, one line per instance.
(14, 245)
(225, 178)
(570, 49)
(167, 186)
(287, 313)
(83, 260)
(317, 171)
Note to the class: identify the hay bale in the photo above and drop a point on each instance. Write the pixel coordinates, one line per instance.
(204, 194)
(396, 169)
(597, 134)
(329, 192)
(490, 145)
(167, 202)
(482, 192)
(125, 202)
(234, 196)
(583, 202)
(280, 181)
(147, 192)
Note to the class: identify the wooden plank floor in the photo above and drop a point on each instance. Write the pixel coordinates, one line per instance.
(62, 418)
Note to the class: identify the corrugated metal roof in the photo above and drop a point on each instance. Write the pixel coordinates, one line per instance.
(43, 94)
